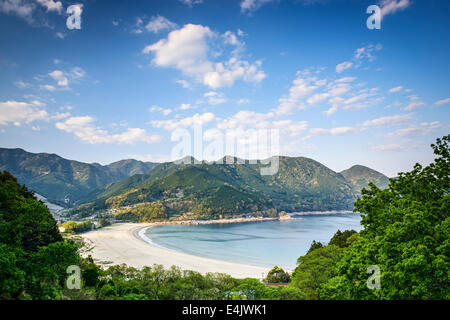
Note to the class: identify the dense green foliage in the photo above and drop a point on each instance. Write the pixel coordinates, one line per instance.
(143, 212)
(156, 283)
(33, 255)
(277, 275)
(57, 178)
(212, 189)
(406, 235)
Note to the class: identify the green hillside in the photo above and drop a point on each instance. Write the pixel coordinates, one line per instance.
(209, 189)
(58, 179)
(360, 176)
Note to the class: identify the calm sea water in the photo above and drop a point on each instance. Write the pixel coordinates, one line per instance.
(266, 243)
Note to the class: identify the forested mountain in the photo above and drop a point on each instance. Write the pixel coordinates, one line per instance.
(58, 179)
(360, 176)
(301, 184)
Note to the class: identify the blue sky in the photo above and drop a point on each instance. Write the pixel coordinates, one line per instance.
(136, 71)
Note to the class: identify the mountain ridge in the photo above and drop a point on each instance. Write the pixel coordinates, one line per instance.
(301, 183)
(59, 179)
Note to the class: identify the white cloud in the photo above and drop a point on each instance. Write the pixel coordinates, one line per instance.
(424, 129)
(245, 120)
(387, 147)
(186, 106)
(442, 102)
(252, 5)
(301, 87)
(191, 3)
(396, 89)
(20, 84)
(332, 110)
(185, 84)
(388, 121)
(345, 79)
(165, 112)
(188, 50)
(47, 87)
(215, 97)
(19, 8)
(60, 35)
(413, 105)
(243, 101)
(367, 52)
(343, 66)
(59, 77)
(172, 124)
(159, 23)
(339, 89)
(17, 112)
(51, 5)
(317, 98)
(392, 6)
(77, 73)
(84, 129)
(330, 132)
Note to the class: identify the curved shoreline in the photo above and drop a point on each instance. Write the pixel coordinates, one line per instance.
(120, 243)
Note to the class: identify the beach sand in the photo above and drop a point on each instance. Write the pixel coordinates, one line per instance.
(119, 244)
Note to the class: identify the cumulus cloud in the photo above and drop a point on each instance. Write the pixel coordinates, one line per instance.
(252, 5)
(84, 129)
(330, 132)
(160, 23)
(317, 98)
(396, 89)
(387, 147)
(442, 102)
(17, 112)
(165, 112)
(301, 87)
(186, 106)
(343, 66)
(397, 119)
(51, 5)
(424, 129)
(19, 8)
(185, 84)
(392, 6)
(59, 77)
(188, 50)
(21, 84)
(215, 97)
(243, 101)
(47, 87)
(414, 105)
(173, 124)
(191, 3)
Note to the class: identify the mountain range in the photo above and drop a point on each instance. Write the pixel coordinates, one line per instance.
(61, 180)
(205, 188)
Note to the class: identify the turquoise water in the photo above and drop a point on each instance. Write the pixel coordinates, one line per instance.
(265, 243)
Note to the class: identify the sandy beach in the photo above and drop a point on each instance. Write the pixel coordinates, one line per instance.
(120, 243)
